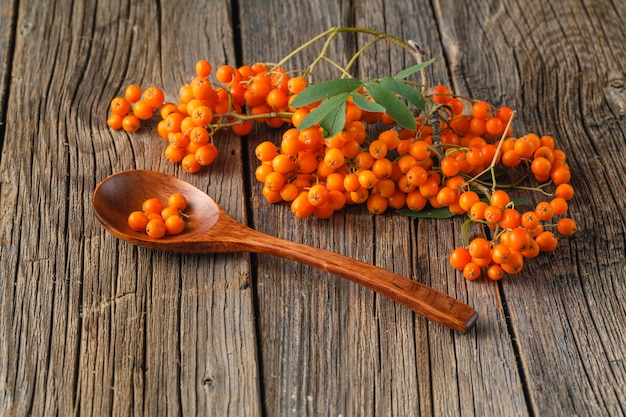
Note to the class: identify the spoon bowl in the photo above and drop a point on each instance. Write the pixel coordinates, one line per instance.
(209, 229)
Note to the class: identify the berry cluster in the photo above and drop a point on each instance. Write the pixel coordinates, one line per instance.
(516, 235)
(157, 220)
(129, 110)
(350, 142)
(237, 98)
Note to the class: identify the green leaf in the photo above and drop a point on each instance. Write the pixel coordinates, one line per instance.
(333, 122)
(412, 70)
(440, 213)
(326, 89)
(328, 106)
(411, 94)
(392, 104)
(465, 231)
(364, 104)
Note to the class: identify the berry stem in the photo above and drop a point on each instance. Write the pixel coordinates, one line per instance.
(333, 33)
(494, 160)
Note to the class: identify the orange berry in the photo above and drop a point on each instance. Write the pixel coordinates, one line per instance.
(156, 228)
(242, 128)
(120, 106)
(547, 241)
(446, 196)
(500, 253)
(471, 271)
(115, 121)
(467, 200)
(334, 158)
(481, 110)
(301, 207)
(459, 258)
(477, 210)
(169, 211)
(201, 115)
(566, 226)
(415, 201)
(323, 212)
(289, 192)
(336, 199)
(175, 154)
(417, 176)
(296, 84)
(559, 205)
(265, 151)
(510, 218)
(203, 68)
(154, 97)
(430, 188)
(510, 158)
(385, 188)
(130, 123)
(382, 168)
(283, 163)
(495, 126)
(541, 167)
(133, 93)
(137, 221)
(500, 198)
(378, 149)
(177, 201)
(227, 74)
(560, 174)
(307, 163)
(351, 182)
(420, 150)
(262, 171)
(565, 191)
(364, 160)
(143, 110)
(190, 164)
(397, 200)
(377, 204)
(495, 272)
(206, 154)
(492, 214)
(530, 220)
(524, 147)
(479, 247)
(367, 179)
(544, 210)
(449, 166)
(515, 263)
(441, 94)
(276, 98)
(519, 239)
(174, 224)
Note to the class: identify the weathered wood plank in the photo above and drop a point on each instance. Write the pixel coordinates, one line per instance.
(376, 349)
(7, 31)
(562, 67)
(91, 325)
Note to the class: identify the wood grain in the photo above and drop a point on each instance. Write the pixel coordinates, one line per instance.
(90, 325)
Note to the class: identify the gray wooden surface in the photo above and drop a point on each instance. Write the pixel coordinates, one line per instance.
(93, 326)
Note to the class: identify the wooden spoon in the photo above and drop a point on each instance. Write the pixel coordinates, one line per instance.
(210, 230)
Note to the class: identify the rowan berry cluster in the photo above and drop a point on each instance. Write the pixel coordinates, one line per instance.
(135, 105)
(440, 156)
(516, 236)
(157, 219)
(236, 98)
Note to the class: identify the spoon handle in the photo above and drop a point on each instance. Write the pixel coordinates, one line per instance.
(429, 302)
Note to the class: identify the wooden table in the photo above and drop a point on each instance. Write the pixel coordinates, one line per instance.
(90, 325)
